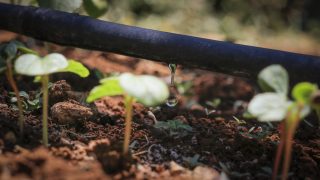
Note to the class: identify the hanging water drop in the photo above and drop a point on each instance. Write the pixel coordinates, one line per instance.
(172, 68)
(172, 100)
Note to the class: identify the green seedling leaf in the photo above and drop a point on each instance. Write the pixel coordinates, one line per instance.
(27, 50)
(269, 106)
(61, 5)
(95, 8)
(274, 78)
(214, 103)
(148, 90)
(303, 92)
(33, 65)
(174, 127)
(77, 68)
(109, 87)
(247, 115)
(37, 79)
(10, 50)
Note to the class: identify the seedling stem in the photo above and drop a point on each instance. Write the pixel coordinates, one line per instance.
(13, 84)
(279, 151)
(291, 126)
(128, 123)
(45, 81)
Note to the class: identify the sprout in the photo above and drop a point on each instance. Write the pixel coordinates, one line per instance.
(33, 65)
(8, 53)
(145, 89)
(274, 105)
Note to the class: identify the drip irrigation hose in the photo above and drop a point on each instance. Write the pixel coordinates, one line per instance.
(88, 33)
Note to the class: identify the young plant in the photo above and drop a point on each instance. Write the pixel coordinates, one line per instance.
(145, 89)
(174, 128)
(33, 65)
(274, 105)
(8, 53)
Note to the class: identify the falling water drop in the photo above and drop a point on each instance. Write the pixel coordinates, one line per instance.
(172, 100)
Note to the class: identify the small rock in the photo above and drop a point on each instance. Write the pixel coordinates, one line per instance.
(60, 91)
(70, 112)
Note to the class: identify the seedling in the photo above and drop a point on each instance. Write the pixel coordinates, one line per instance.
(8, 53)
(274, 105)
(33, 65)
(174, 128)
(145, 89)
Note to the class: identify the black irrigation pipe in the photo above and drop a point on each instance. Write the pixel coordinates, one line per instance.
(85, 32)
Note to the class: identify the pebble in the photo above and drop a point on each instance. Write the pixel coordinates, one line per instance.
(70, 112)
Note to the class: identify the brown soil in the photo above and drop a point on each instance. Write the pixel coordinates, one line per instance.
(86, 139)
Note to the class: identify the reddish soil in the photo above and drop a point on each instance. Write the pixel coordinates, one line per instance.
(86, 139)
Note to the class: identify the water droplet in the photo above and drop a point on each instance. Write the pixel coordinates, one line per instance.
(173, 68)
(172, 100)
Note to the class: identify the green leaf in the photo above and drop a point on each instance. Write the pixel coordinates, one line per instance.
(95, 8)
(173, 124)
(274, 78)
(27, 50)
(110, 87)
(33, 65)
(37, 79)
(303, 91)
(269, 106)
(10, 50)
(61, 5)
(77, 68)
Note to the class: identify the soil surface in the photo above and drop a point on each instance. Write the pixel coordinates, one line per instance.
(86, 139)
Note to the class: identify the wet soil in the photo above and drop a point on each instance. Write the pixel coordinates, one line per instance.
(86, 139)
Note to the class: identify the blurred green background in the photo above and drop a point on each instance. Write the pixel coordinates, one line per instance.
(292, 25)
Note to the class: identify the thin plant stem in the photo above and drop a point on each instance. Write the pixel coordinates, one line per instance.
(291, 126)
(279, 152)
(45, 81)
(128, 124)
(13, 84)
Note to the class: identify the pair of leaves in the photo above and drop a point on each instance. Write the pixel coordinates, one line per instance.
(33, 65)
(148, 90)
(94, 8)
(274, 104)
